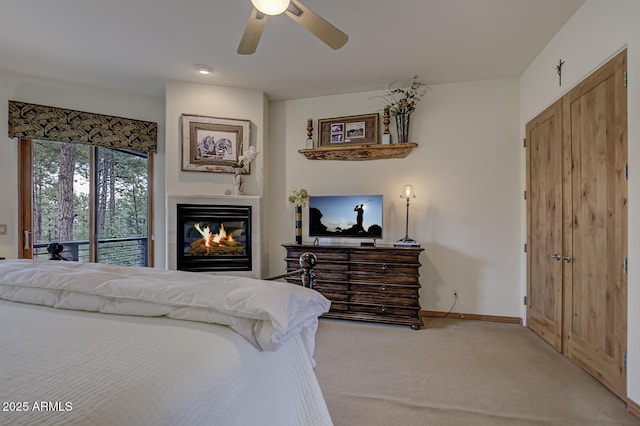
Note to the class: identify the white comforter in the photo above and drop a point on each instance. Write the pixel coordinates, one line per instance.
(267, 313)
(60, 366)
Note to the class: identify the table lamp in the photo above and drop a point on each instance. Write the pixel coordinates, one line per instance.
(407, 192)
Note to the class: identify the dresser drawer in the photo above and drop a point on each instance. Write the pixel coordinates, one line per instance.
(385, 310)
(384, 299)
(385, 268)
(330, 286)
(322, 285)
(385, 256)
(386, 289)
(324, 271)
(332, 295)
(338, 306)
(373, 278)
(323, 256)
(337, 276)
(334, 291)
(293, 264)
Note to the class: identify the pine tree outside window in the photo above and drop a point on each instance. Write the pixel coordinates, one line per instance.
(92, 200)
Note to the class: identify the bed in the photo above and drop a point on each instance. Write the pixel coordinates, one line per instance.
(98, 344)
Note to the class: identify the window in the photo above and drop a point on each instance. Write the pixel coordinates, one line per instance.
(95, 201)
(84, 182)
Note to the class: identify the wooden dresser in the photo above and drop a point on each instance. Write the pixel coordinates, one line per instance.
(377, 284)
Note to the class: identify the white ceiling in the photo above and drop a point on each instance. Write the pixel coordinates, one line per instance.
(135, 45)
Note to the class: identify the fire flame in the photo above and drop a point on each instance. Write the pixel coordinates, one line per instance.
(206, 234)
(213, 238)
(221, 243)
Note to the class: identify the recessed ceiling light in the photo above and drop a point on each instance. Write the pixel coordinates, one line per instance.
(204, 69)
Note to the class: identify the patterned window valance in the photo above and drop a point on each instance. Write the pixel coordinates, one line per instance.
(30, 121)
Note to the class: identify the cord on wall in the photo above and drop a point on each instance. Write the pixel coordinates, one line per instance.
(455, 300)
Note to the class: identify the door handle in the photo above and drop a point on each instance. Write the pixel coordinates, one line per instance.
(567, 259)
(27, 245)
(555, 256)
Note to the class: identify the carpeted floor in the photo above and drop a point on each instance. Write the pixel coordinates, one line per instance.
(455, 372)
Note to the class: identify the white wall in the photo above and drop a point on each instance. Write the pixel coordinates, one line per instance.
(466, 178)
(23, 88)
(598, 31)
(212, 101)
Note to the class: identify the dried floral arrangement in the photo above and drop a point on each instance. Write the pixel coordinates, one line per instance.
(299, 197)
(404, 99)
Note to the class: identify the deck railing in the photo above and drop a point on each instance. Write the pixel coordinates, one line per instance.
(131, 251)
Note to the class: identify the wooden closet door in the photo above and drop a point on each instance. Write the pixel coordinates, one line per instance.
(595, 280)
(544, 225)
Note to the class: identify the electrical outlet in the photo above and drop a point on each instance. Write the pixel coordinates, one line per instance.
(3, 229)
(455, 294)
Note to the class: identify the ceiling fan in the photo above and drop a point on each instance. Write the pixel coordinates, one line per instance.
(304, 16)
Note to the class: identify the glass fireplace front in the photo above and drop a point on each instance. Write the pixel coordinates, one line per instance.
(213, 238)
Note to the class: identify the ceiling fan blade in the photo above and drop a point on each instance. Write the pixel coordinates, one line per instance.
(316, 25)
(252, 33)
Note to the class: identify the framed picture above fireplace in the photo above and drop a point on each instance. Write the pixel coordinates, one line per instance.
(211, 144)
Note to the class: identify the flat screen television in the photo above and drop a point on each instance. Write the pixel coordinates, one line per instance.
(345, 216)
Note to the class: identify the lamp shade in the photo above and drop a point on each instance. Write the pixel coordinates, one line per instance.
(407, 191)
(271, 7)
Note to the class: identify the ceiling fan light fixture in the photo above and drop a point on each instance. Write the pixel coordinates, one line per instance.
(271, 7)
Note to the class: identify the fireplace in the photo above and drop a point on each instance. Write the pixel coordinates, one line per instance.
(256, 249)
(213, 238)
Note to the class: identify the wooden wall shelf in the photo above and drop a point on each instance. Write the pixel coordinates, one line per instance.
(359, 152)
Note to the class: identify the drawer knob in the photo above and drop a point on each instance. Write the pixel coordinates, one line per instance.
(383, 287)
(384, 267)
(383, 308)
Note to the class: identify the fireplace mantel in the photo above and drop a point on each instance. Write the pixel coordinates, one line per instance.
(172, 201)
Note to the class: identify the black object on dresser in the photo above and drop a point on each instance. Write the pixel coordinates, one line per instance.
(379, 284)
